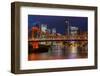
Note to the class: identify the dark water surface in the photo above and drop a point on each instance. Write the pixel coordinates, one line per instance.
(60, 51)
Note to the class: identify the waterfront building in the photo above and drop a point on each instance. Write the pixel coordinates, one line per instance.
(43, 27)
(73, 30)
(53, 30)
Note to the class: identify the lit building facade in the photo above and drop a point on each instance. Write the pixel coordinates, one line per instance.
(43, 27)
(53, 30)
(73, 30)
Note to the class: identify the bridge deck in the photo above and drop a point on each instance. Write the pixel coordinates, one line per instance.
(32, 40)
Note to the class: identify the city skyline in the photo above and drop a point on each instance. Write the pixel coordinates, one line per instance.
(58, 22)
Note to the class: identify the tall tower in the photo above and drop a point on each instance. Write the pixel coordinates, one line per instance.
(54, 31)
(73, 30)
(67, 27)
(43, 27)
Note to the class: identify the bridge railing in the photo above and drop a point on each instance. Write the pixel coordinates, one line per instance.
(77, 37)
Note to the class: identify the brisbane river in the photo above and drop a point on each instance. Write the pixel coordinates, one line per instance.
(75, 50)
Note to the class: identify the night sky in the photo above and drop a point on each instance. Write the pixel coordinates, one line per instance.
(58, 22)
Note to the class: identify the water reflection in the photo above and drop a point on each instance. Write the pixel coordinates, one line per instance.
(59, 50)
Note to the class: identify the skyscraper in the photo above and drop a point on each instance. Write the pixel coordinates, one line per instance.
(43, 27)
(53, 30)
(67, 28)
(73, 30)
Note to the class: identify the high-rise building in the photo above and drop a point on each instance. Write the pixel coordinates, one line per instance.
(53, 30)
(73, 30)
(43, 27)
(67, 28)
(49, 31)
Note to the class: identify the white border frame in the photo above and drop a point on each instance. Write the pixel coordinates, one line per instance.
(25, 64)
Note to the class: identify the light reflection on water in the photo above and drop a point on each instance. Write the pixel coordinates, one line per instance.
(62, 52)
